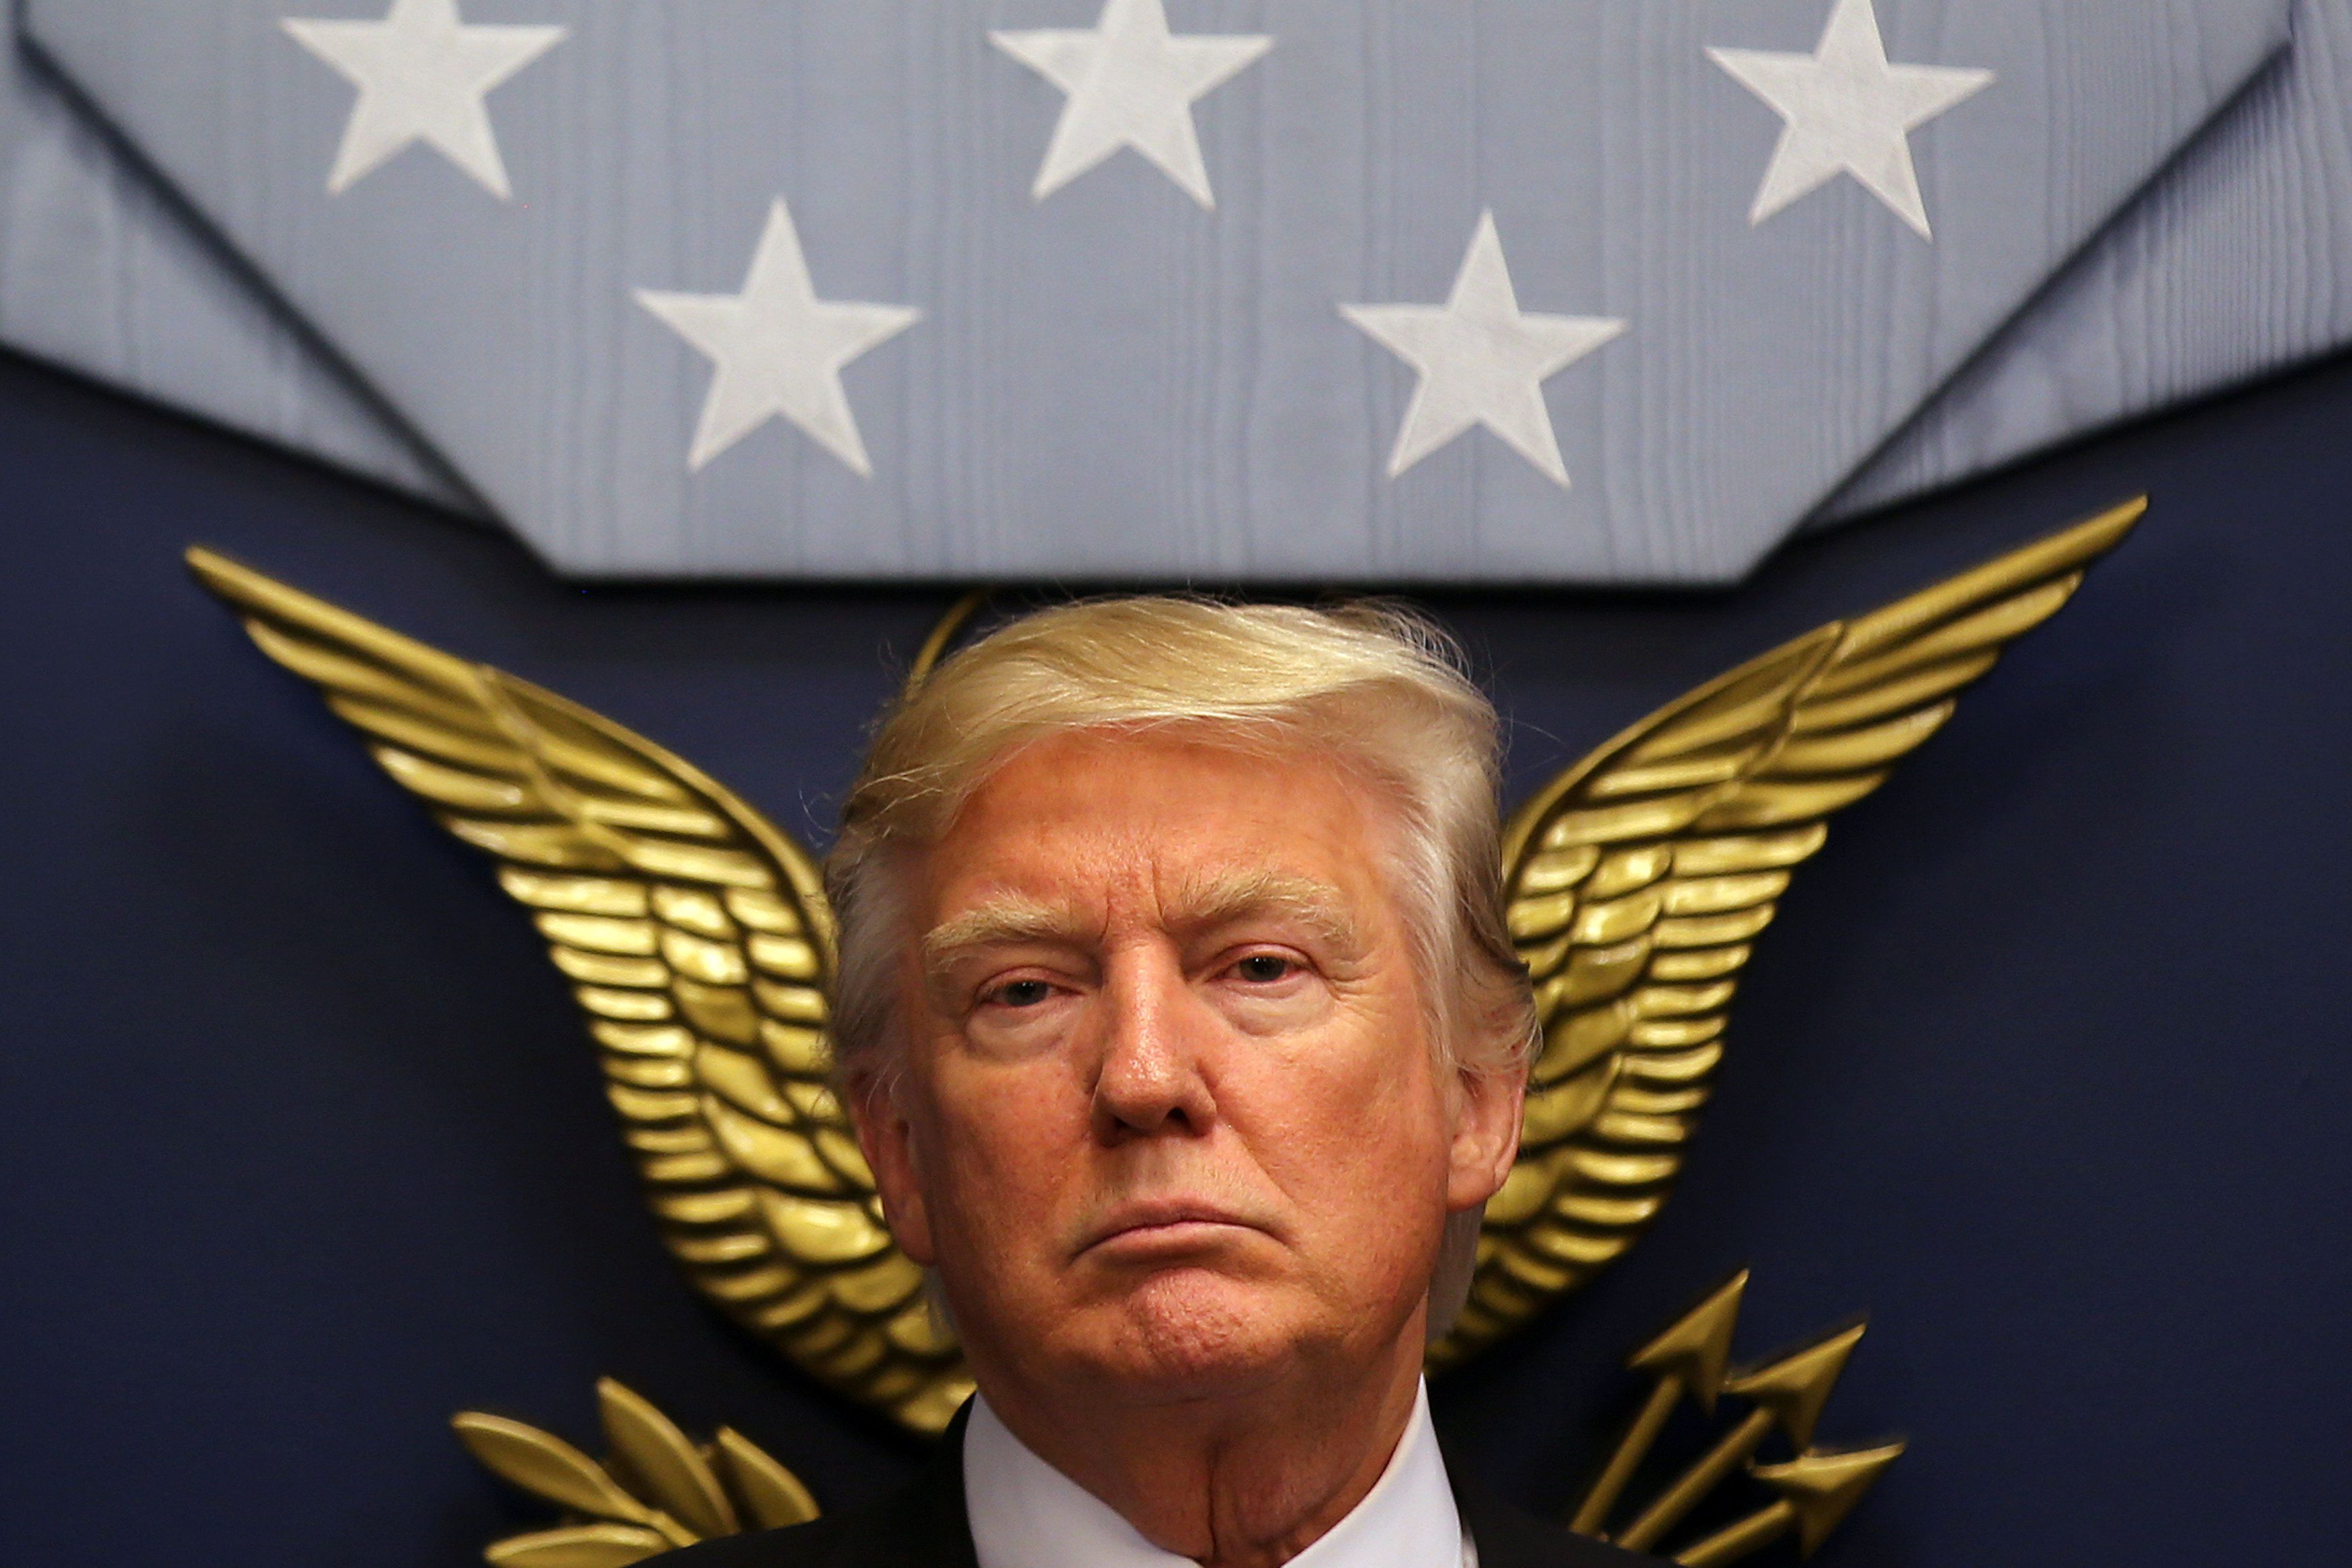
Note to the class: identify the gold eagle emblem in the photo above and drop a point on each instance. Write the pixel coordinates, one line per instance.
(696, 937)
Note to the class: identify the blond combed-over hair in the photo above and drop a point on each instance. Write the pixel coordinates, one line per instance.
(1370, 686)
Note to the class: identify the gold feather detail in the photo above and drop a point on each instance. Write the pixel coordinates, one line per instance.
(700, 946)
(1638, 880)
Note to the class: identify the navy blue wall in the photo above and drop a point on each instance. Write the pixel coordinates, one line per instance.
(2043, 1065)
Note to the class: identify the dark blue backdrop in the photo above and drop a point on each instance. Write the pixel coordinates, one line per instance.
(2043, 1065)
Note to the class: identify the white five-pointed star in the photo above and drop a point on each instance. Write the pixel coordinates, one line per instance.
(1847, 111)
(1482, 362)
(778, 348)
(1132, 83)
(422, 74)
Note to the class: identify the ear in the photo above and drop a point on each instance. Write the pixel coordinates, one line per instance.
(1485, 1136)
(887, 1139)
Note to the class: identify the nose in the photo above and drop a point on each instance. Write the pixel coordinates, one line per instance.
(1151, 1082)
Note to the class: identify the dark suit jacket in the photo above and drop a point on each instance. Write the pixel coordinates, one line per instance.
(923, 1526)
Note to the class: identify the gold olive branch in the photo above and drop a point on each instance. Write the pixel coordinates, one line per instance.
(655, 1491)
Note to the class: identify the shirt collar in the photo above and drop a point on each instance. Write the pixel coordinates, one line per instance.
(1025, 1513)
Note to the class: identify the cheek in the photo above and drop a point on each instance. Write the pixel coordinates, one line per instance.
(1358, 1137)
(1003, 1139)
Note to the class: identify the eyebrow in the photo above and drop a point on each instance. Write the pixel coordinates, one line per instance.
(1003, 921)
(1230, 896)
(1220, 899)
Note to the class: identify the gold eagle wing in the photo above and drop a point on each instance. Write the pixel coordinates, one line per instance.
(697, 941)
(1637, 881)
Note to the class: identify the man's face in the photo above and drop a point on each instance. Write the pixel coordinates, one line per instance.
(1171, 1121)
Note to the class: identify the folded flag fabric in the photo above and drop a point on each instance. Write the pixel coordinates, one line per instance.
(2237, 261)
(1372, 290)
(104, 272)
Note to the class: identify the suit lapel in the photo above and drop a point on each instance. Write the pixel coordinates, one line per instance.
(924, 1525)
(1508, 1538)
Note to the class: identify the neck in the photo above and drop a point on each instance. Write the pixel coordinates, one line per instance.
(1247, 1480)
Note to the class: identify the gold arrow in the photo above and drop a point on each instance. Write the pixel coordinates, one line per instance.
(1687, 1358)
(1817, 1491)
(1787, 1393)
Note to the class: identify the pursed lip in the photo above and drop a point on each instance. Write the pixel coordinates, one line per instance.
(1167, 1215)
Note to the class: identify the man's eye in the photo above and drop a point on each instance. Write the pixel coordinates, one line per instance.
(1265, 968)
(1020, 993)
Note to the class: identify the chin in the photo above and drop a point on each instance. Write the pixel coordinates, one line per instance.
(1193, 1333)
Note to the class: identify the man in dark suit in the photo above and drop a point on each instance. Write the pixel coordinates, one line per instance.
(1186, 1044)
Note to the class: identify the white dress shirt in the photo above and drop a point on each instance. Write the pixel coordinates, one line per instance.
(1025, 1513)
